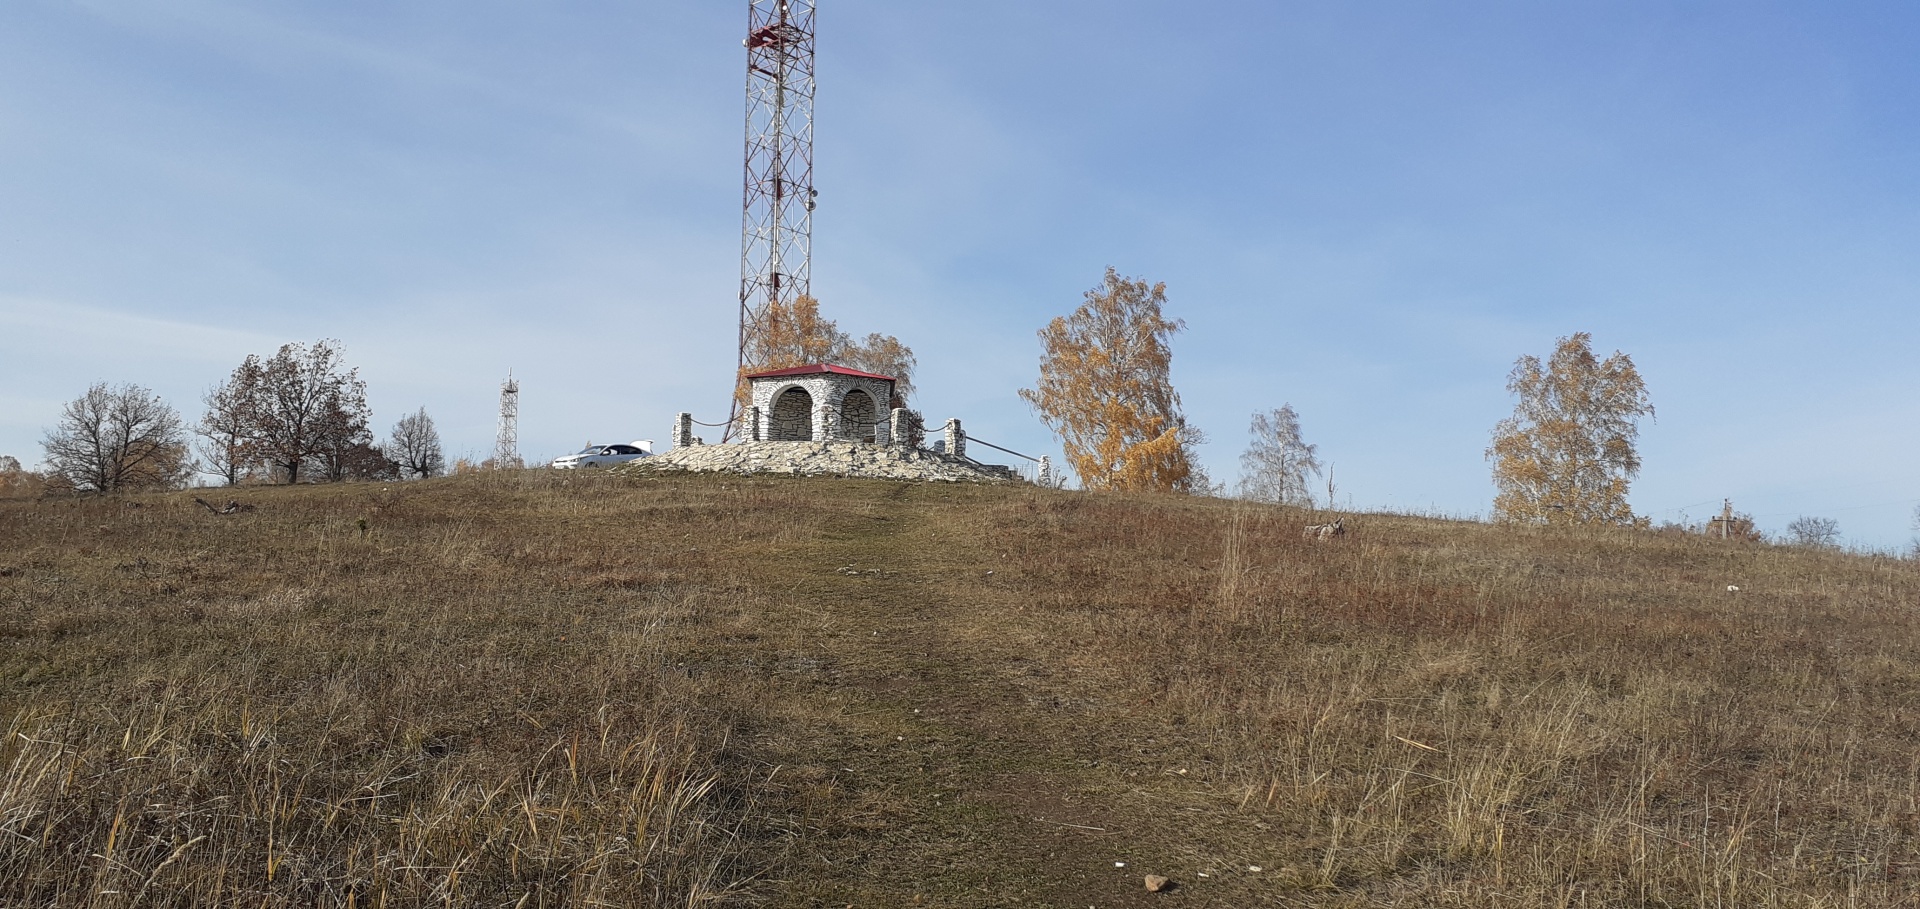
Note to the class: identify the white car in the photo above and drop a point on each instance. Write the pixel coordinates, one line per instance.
(604, 455)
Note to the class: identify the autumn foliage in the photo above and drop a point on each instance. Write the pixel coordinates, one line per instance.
(298, 415)
(1105, 388)
(796, 334)
(1567, 454)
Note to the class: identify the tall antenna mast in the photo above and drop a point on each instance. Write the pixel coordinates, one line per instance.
(776, 239)
(506, 447)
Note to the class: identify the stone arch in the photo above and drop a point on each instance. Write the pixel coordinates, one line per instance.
(792, 416)
(858, 415)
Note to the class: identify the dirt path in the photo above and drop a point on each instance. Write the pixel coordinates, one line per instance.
(930, 754)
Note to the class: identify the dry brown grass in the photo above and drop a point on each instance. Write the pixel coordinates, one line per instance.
(451, 694)
(536, 689)
(1458, 714)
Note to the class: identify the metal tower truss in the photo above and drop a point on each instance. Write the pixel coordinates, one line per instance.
(506, 446)
(776, 244)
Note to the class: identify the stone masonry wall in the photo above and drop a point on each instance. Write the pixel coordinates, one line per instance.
(823, 419)
(842, 459)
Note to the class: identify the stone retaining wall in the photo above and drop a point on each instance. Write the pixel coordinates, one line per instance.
(819, 459)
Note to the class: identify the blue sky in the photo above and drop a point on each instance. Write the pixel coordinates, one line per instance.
(1365, 209)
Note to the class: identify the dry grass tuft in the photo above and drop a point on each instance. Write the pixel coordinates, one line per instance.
(1510, 716)
(464, 700)
(538, 689)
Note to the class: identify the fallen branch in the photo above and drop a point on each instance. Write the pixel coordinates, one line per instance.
(232, 507)
(1325, 532)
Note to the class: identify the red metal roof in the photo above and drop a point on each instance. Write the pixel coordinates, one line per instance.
(815, 369)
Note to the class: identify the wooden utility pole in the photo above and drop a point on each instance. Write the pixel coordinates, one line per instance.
(1725, 520)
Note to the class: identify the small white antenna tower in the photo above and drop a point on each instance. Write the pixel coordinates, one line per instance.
(506, 449)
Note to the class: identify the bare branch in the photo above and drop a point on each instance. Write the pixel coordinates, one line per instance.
(415, 446)
(114, 438)
(1278, 461)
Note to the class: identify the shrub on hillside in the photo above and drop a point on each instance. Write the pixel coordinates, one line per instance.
(18, 482)
(1818, 533)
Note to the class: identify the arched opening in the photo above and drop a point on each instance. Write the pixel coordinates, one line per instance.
(792, 418)
(857, 416)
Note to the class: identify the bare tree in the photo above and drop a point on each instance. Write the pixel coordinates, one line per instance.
(344, 448)
(302, 410)
(114, 438)
(358, 460)
(1915, 552)
(225, 429)
(1277, 462)
(415, 446)
(1820, 533)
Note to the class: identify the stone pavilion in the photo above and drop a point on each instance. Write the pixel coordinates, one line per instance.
(821, 402)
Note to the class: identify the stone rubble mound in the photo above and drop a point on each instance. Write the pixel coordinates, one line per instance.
(818, 459)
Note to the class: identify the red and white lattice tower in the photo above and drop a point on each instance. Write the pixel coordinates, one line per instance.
(776, 240)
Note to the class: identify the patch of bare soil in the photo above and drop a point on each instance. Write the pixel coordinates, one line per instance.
(931, 764)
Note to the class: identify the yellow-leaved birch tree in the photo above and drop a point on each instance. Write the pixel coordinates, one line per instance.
(1106, 390)
(1567, 454)
(797, 334)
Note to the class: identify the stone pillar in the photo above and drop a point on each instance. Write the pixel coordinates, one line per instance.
(826, 423)
(956, 440)
(1045, 476)
(755, 420)
(683, 431)
(900, 426)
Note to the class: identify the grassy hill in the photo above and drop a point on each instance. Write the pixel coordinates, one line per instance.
(541, 689)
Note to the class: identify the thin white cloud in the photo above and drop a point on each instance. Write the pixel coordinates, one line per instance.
(52, 351)
(47, 331)
(277, 43)
(242, 30)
